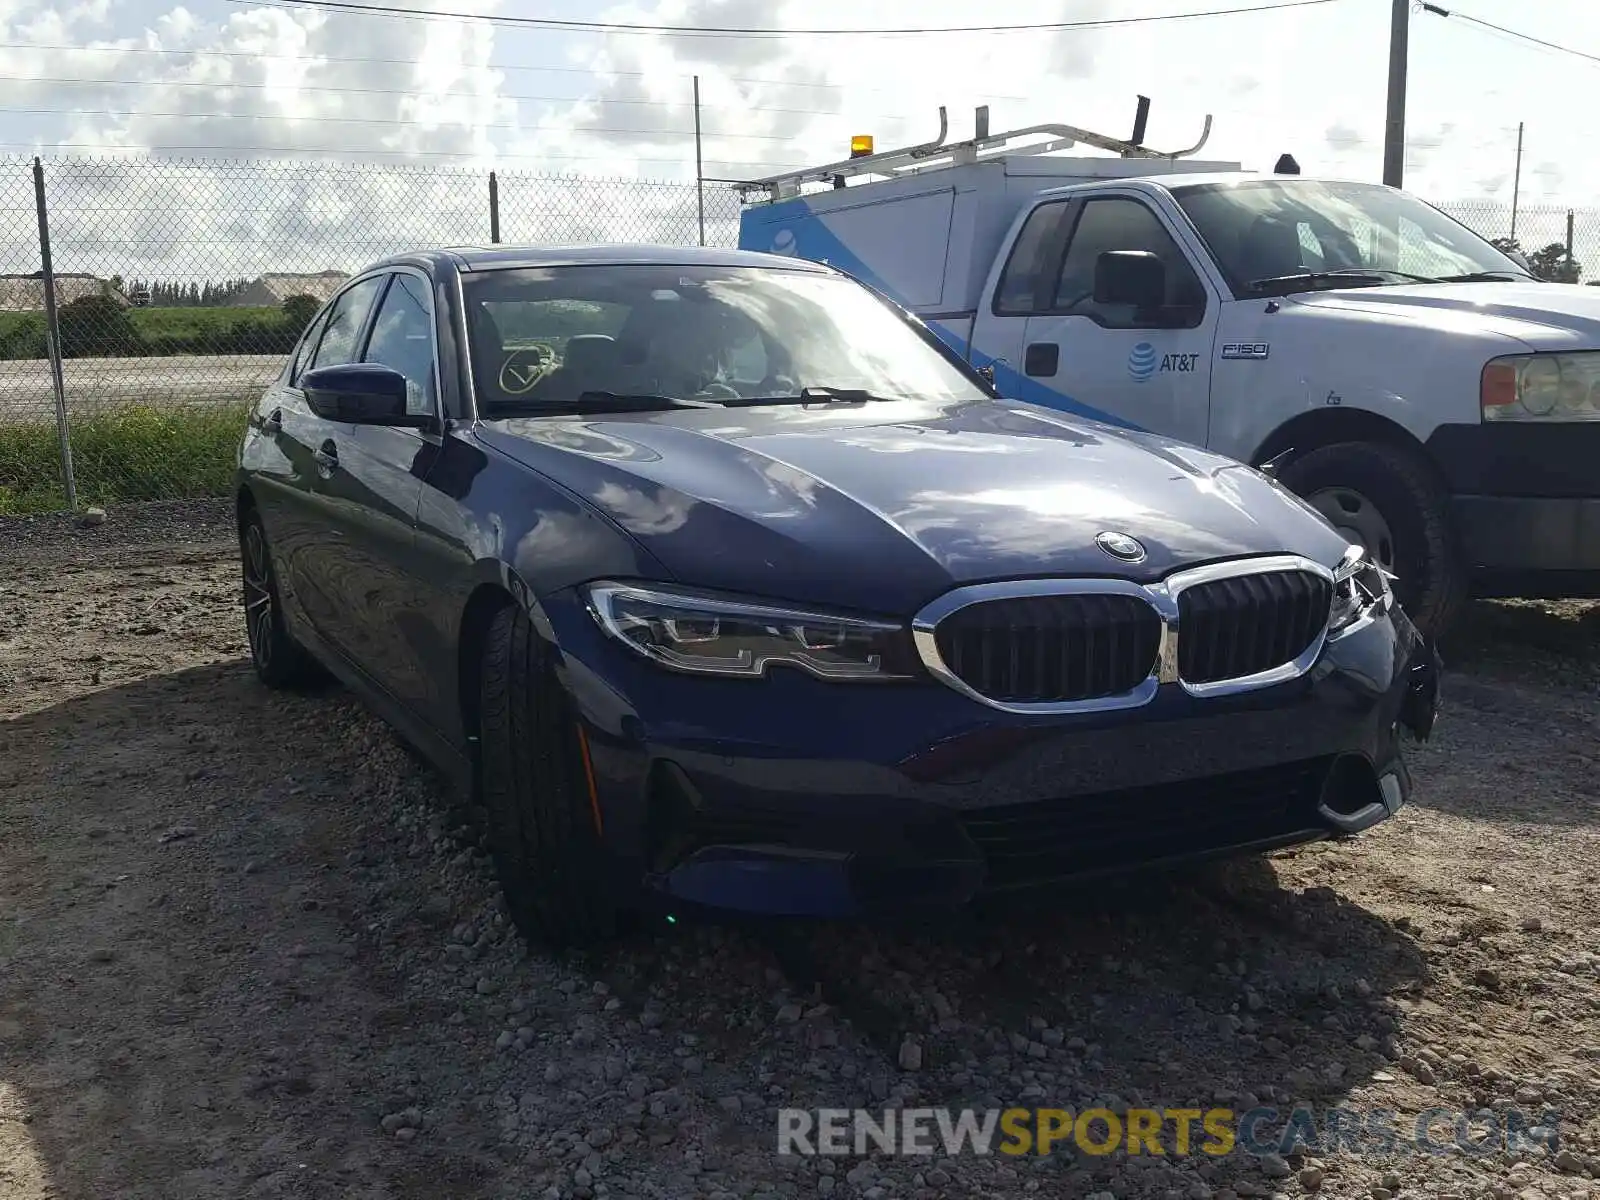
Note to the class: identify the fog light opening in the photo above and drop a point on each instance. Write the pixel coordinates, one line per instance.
(1351, 786)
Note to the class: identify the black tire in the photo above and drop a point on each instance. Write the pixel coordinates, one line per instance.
(1432, 582)
(279, 660)
(534, 784)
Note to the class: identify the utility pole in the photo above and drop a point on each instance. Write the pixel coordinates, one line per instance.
(1394, 133)
(699, 166)
(1516, 184)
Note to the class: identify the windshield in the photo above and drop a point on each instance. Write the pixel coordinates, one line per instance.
(1271, 229)
(546, 336)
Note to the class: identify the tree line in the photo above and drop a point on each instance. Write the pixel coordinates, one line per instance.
(171, 293)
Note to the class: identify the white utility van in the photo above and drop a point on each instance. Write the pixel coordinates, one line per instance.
(1417, 386)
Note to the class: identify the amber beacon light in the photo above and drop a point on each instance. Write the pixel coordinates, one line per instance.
(860, 145)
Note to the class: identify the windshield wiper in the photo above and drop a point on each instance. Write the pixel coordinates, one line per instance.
(1488, 277)
(596, 401)
(813, 395)
(1357, 277)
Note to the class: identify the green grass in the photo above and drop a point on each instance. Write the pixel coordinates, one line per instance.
(122, 457)
(154, 331)
(188, 322)
(165, 322)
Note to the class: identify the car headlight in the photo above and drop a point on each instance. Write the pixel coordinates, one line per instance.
(1360, 592)
(713, 635)
(1541, 387)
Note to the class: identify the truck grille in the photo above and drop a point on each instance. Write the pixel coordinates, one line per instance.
(1034, 843)
(1050, 649)
(1245, 624)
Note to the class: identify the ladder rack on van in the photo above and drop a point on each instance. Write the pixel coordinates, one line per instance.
(981, 147)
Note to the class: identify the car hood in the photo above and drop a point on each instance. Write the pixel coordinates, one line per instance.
(887, 504)
(1554, 316)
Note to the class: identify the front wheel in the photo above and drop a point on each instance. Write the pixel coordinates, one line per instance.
(537, 785)
(1390, 501)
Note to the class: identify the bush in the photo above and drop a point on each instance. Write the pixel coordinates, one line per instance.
(97, 327)
(22, 336)
(298, 311)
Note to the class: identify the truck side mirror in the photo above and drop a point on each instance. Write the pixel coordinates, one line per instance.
(1133, 277)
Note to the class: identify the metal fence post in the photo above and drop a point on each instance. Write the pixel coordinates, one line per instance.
(494, 209)
(52, 337)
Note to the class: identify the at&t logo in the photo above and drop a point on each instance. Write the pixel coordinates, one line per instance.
(1142, 361)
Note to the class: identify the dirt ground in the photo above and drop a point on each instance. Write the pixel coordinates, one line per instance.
(246, 949)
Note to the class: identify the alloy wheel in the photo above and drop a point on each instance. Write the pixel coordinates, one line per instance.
(258, 611)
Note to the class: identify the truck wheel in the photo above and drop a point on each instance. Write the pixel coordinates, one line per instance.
(534, 784)
(1389, 500)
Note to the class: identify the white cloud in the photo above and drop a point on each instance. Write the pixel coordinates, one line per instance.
(457, 98)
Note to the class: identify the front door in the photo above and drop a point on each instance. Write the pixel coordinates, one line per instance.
(1148, 369)
(369, 491)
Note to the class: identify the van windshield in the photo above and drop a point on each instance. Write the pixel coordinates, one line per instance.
(1268, 232)
(595, 336)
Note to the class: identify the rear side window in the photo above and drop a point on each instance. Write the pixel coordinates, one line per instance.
(1033, 259)
(343, 327)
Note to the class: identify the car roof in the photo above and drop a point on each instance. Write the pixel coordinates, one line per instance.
(499, 258)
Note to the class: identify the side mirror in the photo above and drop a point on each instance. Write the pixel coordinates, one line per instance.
(360, 394)
(1135, 277)
(1521, 259)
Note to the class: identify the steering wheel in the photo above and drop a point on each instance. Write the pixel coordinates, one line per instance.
(717, 390)
(519, 376)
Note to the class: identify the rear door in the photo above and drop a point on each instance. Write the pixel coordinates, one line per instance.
(1149, 369)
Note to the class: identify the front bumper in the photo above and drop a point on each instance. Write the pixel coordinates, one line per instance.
(791, 796)
(1531, 545)
(1526, 504)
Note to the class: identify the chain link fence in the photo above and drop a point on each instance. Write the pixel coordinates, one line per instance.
(181, 284)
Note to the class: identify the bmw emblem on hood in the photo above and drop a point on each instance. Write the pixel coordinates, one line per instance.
(1120, 545)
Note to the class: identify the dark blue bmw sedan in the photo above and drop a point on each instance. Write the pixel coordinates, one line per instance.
(716, 580)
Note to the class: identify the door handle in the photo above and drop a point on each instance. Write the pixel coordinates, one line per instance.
(326, 457)
(273, 425)
(1041, 359)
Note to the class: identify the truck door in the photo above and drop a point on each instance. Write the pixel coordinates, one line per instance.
(1149, 369)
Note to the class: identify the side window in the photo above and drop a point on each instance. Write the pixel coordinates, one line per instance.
(344, 323)
(402, 338)
(307, 346)
(1032, 259)
(1116, 223)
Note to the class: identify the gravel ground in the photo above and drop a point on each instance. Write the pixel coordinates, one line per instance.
(247, 949)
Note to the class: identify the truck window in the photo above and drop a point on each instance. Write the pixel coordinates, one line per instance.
(1033, 257)
(1118, 223)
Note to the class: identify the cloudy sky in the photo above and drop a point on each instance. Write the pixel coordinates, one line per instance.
(214, 79)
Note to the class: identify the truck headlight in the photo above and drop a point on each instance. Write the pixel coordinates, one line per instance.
(1541, 387)
(728, 636)
(1361, 592)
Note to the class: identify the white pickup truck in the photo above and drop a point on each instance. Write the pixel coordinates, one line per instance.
(1418, 387)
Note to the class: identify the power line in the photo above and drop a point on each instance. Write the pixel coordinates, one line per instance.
(1439, 11)
(54, 81)
(293, 153)
(407, 122)
(629, 27)
(588, 72)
